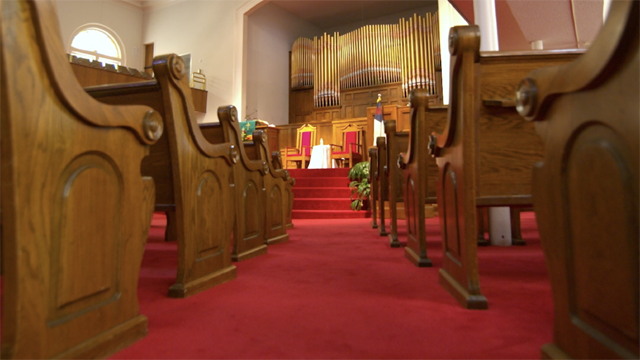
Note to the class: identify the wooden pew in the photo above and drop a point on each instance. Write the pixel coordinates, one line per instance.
(585, 190)
(192, 177)
(397, 141)
(374, 178)
(383, 182)
(278, 187)
(420, 171)
(75, 210)
(486, 152)
(248, 175)
(276, 162)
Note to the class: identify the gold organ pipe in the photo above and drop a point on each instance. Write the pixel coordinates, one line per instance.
(432, 56)
(403, 63)
(423, 51)
(408, 52)
(420, 53)
(425, 54)
(368, 54)
(412, 57)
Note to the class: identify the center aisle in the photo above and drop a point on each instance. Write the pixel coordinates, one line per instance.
(336, 290)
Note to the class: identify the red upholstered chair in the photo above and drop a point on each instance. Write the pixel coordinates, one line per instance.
(350, 152)
(301, 154)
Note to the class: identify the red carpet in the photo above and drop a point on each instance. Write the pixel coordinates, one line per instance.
(323, 194)
(337, 291)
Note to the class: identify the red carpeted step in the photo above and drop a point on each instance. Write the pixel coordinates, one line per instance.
(323, 194)
(321, 204)
(330, 214)
(341, 172)
(322, 182)
(320, 192)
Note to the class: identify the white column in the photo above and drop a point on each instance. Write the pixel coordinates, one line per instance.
(448, 17)
(606, 5)
(485, 18)
(537, 45)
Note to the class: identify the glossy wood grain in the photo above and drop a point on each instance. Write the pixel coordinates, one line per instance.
(278, 189)
(76, 211)
(373, 181)
(194, 174)
(420, 170)
(383, 182)
(250, 194)
(585, 190)
(486, 152)
(396, 142)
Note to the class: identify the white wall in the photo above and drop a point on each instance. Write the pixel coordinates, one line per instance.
(270, 33)
(124, 19)
(206, 30)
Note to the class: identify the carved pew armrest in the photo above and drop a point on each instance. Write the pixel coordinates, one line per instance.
(436, 143)
(402, 161)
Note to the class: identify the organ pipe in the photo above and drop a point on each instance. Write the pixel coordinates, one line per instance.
(407, 52)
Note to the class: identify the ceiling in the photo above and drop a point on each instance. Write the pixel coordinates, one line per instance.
(328, 14)
(560, 23)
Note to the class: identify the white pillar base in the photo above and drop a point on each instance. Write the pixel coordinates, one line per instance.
(500, 226)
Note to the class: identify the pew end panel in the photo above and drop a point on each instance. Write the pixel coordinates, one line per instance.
(420, 170)
(373, 174)
(456, 185)
(585, 190)
(395, 142)
(75, 209)
(249, 192)
(277, 162)
(383, 181)
(277, 184)
(485, 144)
(196, 174)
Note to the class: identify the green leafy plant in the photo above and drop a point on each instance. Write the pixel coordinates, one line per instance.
(360, 186)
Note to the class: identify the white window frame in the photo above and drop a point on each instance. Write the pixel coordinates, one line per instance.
(96, 56)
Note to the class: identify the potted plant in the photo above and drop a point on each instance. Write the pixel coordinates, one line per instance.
(360, 186)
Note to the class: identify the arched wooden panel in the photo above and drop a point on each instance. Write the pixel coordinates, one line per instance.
(451, 230)
(208, 196)
(411, 208)
(252, 213)
(276, 200)
(86, 251)
(600, 209)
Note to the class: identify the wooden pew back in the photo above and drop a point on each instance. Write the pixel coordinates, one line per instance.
(278, 187)
(586, 190)
(193, 173)
(485, 154)
(373, 181)
(76, 212)
(249, 173)
(383, 181)
(420, 170)
(397, 141)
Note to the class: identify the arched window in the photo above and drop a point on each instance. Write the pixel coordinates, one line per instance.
(96, 42)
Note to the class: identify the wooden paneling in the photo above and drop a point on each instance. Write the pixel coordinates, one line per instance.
(585, 190)
(329, 131)
(94, 74)
(353, 103)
